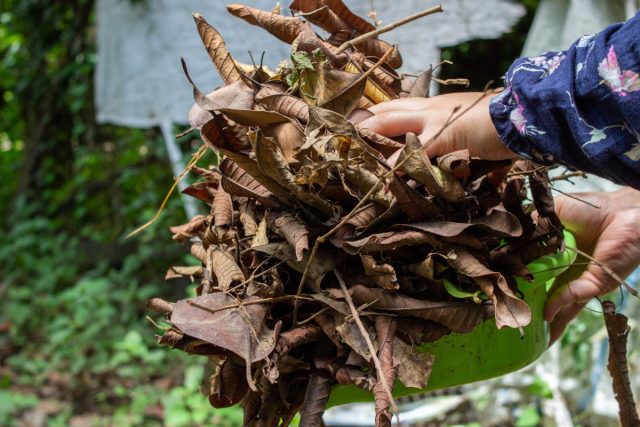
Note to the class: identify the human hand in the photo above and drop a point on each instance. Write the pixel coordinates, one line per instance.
(611, 235)
(425, 117)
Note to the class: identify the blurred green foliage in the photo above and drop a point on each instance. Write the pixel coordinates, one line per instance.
(71, 288)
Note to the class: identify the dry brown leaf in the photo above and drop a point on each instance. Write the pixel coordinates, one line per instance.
(227, 386)
(353, 20)
(384, 275)
(236, 95)
(422, 84)
(389, 241)
(497, 223)
(222, 208)
(456, 163)
(237, 182)
(385, 332)
(241, 330)
(460, 317)
(284, 28)
(419, 167)
(214, 134)
(414, 365)
(254, 117)
(294, 230)
(193, 228)
(416, 206)
(289, 137)
(287, 105)
(510, 310)
(204, 191)
(315, 399)
(177, 272)
(214, 43)
(221, 263)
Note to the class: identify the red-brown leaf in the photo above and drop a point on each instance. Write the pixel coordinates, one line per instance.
(315, 399)
(222, 208)
(385, 331)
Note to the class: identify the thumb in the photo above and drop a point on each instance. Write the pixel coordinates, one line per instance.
(590, 284)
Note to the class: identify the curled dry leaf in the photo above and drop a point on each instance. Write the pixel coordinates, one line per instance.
(222, 264)
(237, 182)
(456, 163)
(510, 310)
(384, 275)
(457, 316)
(414, 365)
(248, 219)
(497, 223)
(295, 231)
(227, 386)
(353, 20)
(222, 208)
(217, 49)
(389, 241)
(289, 137)
(284, 28)
(236, 95)
(315, 399)
(193, 228)
(417, 165)
(322, 16)
(204, 191)
(422, 84)
(287, 105)
(385, 331)
(416, 206)
(177, 272)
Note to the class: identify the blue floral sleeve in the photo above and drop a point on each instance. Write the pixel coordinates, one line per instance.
(580, 107)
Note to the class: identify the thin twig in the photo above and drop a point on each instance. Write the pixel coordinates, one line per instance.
(607, 270)
(367, 338)
(313, 316)
(194, 159)
(243, 303)
(375, 33)
(575, 198)
(568, 175)
(374, 188)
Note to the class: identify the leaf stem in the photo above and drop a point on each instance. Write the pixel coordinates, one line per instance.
(367, 338)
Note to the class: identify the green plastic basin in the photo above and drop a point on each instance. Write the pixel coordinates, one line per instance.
(487, 352)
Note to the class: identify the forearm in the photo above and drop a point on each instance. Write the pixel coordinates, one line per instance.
(580, 107)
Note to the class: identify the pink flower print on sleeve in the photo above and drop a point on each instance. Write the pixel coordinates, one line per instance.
(620, 82)
(519, 120)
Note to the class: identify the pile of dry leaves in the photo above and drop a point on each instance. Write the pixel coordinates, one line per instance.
(322, 263)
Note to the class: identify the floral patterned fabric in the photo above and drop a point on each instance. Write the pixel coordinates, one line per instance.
(580, 107)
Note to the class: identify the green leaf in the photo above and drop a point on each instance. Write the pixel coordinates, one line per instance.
(456, 292)
(301, 59)
(529, 417)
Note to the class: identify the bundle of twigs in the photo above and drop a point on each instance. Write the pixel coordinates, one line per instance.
(322, 263)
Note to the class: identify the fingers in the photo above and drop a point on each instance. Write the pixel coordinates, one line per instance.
(395, 123)
(404, 104)
(579, 291)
